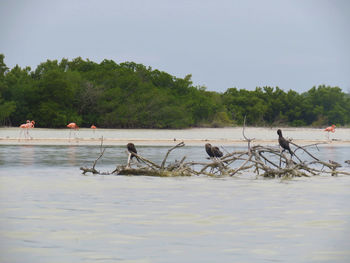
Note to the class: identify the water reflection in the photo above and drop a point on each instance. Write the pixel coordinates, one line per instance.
(72, 155)
(75, 155)
(27, 155)
(332, 153)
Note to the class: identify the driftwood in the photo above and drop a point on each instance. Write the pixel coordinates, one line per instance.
(266, 161)
(92, 169)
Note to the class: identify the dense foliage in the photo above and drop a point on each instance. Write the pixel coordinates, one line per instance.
(130, 95)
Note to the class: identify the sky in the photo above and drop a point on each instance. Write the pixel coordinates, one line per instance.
(292, 44)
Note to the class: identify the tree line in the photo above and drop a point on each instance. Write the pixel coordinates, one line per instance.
(131, 95)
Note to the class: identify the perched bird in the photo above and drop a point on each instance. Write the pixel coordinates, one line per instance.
(335, 163)
(208, 150)
(283, 142)
(132, 149)
(216, 151)
(213, 151)
(347, 161)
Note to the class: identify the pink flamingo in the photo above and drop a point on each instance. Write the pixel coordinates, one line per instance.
(25, 129)
(93, 127)
(24, 125)
(72, 126)
(330, 129)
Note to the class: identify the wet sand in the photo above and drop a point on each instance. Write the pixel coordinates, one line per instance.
(195, 136)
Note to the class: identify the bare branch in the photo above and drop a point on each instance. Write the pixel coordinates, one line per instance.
(246, 138)
(259, 160)
(181, 144)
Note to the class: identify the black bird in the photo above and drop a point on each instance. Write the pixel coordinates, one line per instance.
(216, 152)
(335, 163)
(283, 142)
(132, 149)
(213, 151)
(208, 150)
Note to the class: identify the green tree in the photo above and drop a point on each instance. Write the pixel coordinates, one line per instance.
(6, 109)
(131, 95)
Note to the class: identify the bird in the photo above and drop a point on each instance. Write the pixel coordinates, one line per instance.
(330, 128)
(347, 161)
(93, 127)
(283, 142)
(73, 125)
(24, 125)
(216, 151)
(213, 151)
(24, 128)
(132, 149)
(29, 124)
(208, 150)
(335, 163)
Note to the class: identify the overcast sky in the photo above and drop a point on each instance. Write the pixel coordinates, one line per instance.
(293, 44)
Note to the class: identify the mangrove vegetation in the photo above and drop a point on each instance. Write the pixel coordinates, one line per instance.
(131, 95)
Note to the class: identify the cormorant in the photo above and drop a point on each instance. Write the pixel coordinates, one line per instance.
(132, 149)
(283, 142)
(208, 150)
(335, 163)
(216, 151)
(213, 151)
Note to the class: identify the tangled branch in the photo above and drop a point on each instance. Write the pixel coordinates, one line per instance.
(266, 161)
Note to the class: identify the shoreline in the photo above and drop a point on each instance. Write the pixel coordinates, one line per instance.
(154, 142)
(191, 137)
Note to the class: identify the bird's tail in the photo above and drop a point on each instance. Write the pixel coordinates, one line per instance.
(137, 158)
(291, 153)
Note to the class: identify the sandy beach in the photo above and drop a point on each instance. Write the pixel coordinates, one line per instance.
(195, 136)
